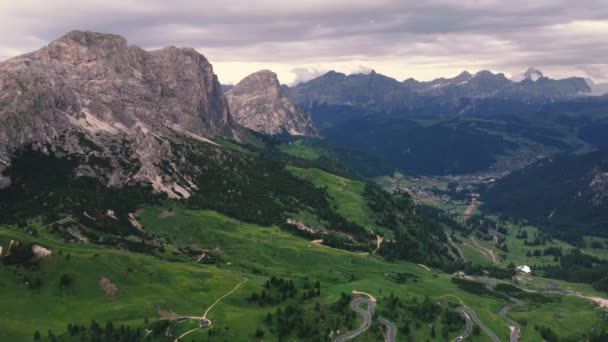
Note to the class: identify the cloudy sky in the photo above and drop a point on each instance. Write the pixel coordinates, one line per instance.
(302, 39)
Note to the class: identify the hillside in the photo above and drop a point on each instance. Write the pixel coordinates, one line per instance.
(167, 283)
(566, 193)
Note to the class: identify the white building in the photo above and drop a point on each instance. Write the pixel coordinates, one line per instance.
(524, 269)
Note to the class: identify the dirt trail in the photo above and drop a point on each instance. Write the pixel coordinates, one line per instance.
(603, 303)
(222, 297)
(379, 240)
(426, 268)
(341, 188)
(186, 333)
(488, 251)
(207, 312)
(366, 294)
(469, 211)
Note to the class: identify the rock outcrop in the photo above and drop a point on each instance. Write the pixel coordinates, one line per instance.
(95, 85)
(258, 103)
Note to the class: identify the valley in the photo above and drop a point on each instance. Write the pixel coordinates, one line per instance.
(167, 281)
(142, 200)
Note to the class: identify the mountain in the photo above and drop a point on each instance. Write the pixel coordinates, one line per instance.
(93, 89)
(258, 103)
(480, 85)
(533, 86)
(435, 149)
(597, 88)
(566, 193)
(443, 96)
(370, 91)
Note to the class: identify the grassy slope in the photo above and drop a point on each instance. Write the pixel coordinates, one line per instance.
(146, 284)
(253, 252)
(346, 194)
(299, 149)
(518, 250)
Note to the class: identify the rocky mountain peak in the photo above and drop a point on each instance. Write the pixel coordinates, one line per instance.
(258, 103)
(463, 76)
(96, 85)
(85, 46)
(91, 39)
(261, 81)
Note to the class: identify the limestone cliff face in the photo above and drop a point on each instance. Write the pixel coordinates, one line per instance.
(258, 103)
(97, 85)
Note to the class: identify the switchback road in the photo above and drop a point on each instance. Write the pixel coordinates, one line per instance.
(367, 317)
(391, 330)
(469, 328)
(477, 321)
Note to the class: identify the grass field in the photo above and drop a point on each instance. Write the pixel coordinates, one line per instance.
(300, 150)
(146, 284)
(346, 194)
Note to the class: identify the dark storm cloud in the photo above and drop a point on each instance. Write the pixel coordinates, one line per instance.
(503, 35)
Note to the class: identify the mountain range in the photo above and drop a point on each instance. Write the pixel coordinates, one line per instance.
(379, 93)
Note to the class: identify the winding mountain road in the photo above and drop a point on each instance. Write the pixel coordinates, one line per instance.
(477, 321)
(515, 329)
(469, 328)
(367, 317)
(489, 252)
(391, 330)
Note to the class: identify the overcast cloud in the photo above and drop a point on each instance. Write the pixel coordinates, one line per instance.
(300, 40)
